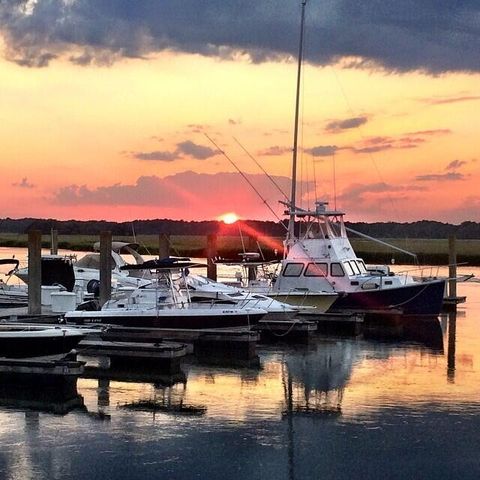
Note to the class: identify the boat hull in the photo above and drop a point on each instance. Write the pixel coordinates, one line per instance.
(153, 319)
(321, 302)
(25, 347)
(413, 299)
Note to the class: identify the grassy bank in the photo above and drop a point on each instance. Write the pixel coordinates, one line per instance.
(429, 251)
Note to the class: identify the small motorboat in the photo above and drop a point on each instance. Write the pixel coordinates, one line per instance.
(28, 341)
(163, 304)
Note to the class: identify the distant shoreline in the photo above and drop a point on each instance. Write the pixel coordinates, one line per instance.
(428, 251)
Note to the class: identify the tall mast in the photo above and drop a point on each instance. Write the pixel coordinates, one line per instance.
(291, 222)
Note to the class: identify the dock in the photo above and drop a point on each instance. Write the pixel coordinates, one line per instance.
(230, 342)
(41, 371)
(286, 330)
(165, 355)
(348, 323)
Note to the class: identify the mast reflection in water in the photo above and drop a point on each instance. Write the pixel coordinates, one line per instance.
(400, 401)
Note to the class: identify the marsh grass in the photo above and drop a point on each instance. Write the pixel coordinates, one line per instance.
(429, 251)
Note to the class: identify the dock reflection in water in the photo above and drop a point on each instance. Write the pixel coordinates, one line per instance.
(404, 404)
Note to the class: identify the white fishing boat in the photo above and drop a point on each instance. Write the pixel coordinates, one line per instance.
(162, 304)
(203, 290)
(319, 260)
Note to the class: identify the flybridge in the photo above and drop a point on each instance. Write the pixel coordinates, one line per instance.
(320, 211)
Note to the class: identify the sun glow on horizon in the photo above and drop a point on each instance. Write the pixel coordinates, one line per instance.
(229, 218)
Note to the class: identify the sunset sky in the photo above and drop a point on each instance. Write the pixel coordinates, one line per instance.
(105, 106)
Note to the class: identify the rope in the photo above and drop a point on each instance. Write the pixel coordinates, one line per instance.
(410, 299)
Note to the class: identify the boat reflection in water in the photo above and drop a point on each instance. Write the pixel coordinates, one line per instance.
(314, 381)
(58, 398)
(340, 407)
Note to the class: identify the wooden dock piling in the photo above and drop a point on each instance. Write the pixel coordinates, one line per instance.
(34, 272)
(163, 245)
(105, 267)
(211, 254)
(452, 267)
(53, 242)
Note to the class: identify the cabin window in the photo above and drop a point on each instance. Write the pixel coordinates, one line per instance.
(293, 269)
(316, 270)
(348, 268)
(361, 266)
(355, 268)
(336, 270)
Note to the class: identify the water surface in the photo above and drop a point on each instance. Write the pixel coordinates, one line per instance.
(380, 405)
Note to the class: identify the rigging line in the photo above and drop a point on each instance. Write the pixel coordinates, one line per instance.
(262, 169)
(359, 129)
(247, 180)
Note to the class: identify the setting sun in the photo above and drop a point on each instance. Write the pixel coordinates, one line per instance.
(228, 218)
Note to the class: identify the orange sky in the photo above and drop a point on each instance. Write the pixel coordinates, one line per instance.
(127, 141)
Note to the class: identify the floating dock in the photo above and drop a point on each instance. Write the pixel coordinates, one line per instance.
(286, 330)
(349, 323)
(230, 342)
(39, 370)
(165, 355)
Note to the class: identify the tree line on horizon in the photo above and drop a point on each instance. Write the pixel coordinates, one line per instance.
(420, 229)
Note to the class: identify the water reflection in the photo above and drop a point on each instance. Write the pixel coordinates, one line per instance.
(399, 402)
(59, 398)
(452, 334)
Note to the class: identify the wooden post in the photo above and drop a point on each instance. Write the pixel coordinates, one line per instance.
(163, 245)
(211, 254)
(105, 267)
(452, 267)
(252, 248)
(53, 242)
(34, 272)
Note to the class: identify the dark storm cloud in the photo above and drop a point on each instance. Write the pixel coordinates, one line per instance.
(432, 35)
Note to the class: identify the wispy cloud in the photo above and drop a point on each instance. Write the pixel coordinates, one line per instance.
(447, 100)
(455, 164)
(184, 149)
(441, 177)
(337, 126)
(274, 151)
(405, 141)
(24, 183)
(322, 150)
(157, 155)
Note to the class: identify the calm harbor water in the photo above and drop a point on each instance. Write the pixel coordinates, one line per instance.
(384, 404)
